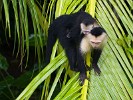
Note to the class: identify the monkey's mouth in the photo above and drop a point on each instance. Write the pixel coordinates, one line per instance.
(95, 44)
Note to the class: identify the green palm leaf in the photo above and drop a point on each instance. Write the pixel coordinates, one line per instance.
(116, 62)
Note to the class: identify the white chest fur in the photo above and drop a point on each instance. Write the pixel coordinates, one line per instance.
(89, 42)
(85, 45)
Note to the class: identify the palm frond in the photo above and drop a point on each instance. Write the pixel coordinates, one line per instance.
(116, 79)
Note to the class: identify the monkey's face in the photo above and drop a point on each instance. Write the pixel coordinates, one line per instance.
(96, 35)
(86, 29)
(97, 41)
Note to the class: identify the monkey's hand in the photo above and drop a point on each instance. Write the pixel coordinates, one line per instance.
(96, 68)
(82, 77)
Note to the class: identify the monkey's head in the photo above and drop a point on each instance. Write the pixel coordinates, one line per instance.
(95, 34)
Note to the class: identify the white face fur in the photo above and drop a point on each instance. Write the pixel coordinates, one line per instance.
(97, 42)
(85, 29)
(90, 41)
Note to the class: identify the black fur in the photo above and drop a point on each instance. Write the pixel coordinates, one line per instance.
(97, 31)
(96, 55)
(67, 29)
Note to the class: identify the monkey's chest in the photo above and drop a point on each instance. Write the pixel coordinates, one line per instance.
(85, 45)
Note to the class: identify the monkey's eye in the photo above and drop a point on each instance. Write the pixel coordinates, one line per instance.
(68, 35)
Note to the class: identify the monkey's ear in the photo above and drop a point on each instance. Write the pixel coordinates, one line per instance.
(86, 28)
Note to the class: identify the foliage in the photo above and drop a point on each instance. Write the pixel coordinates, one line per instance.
(60, 83)
(3, 63)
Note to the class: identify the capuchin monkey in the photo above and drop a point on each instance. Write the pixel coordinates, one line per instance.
(78, 34)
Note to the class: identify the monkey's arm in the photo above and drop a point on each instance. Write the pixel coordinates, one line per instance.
(95, 56)
(81, 66)
(71, 55)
